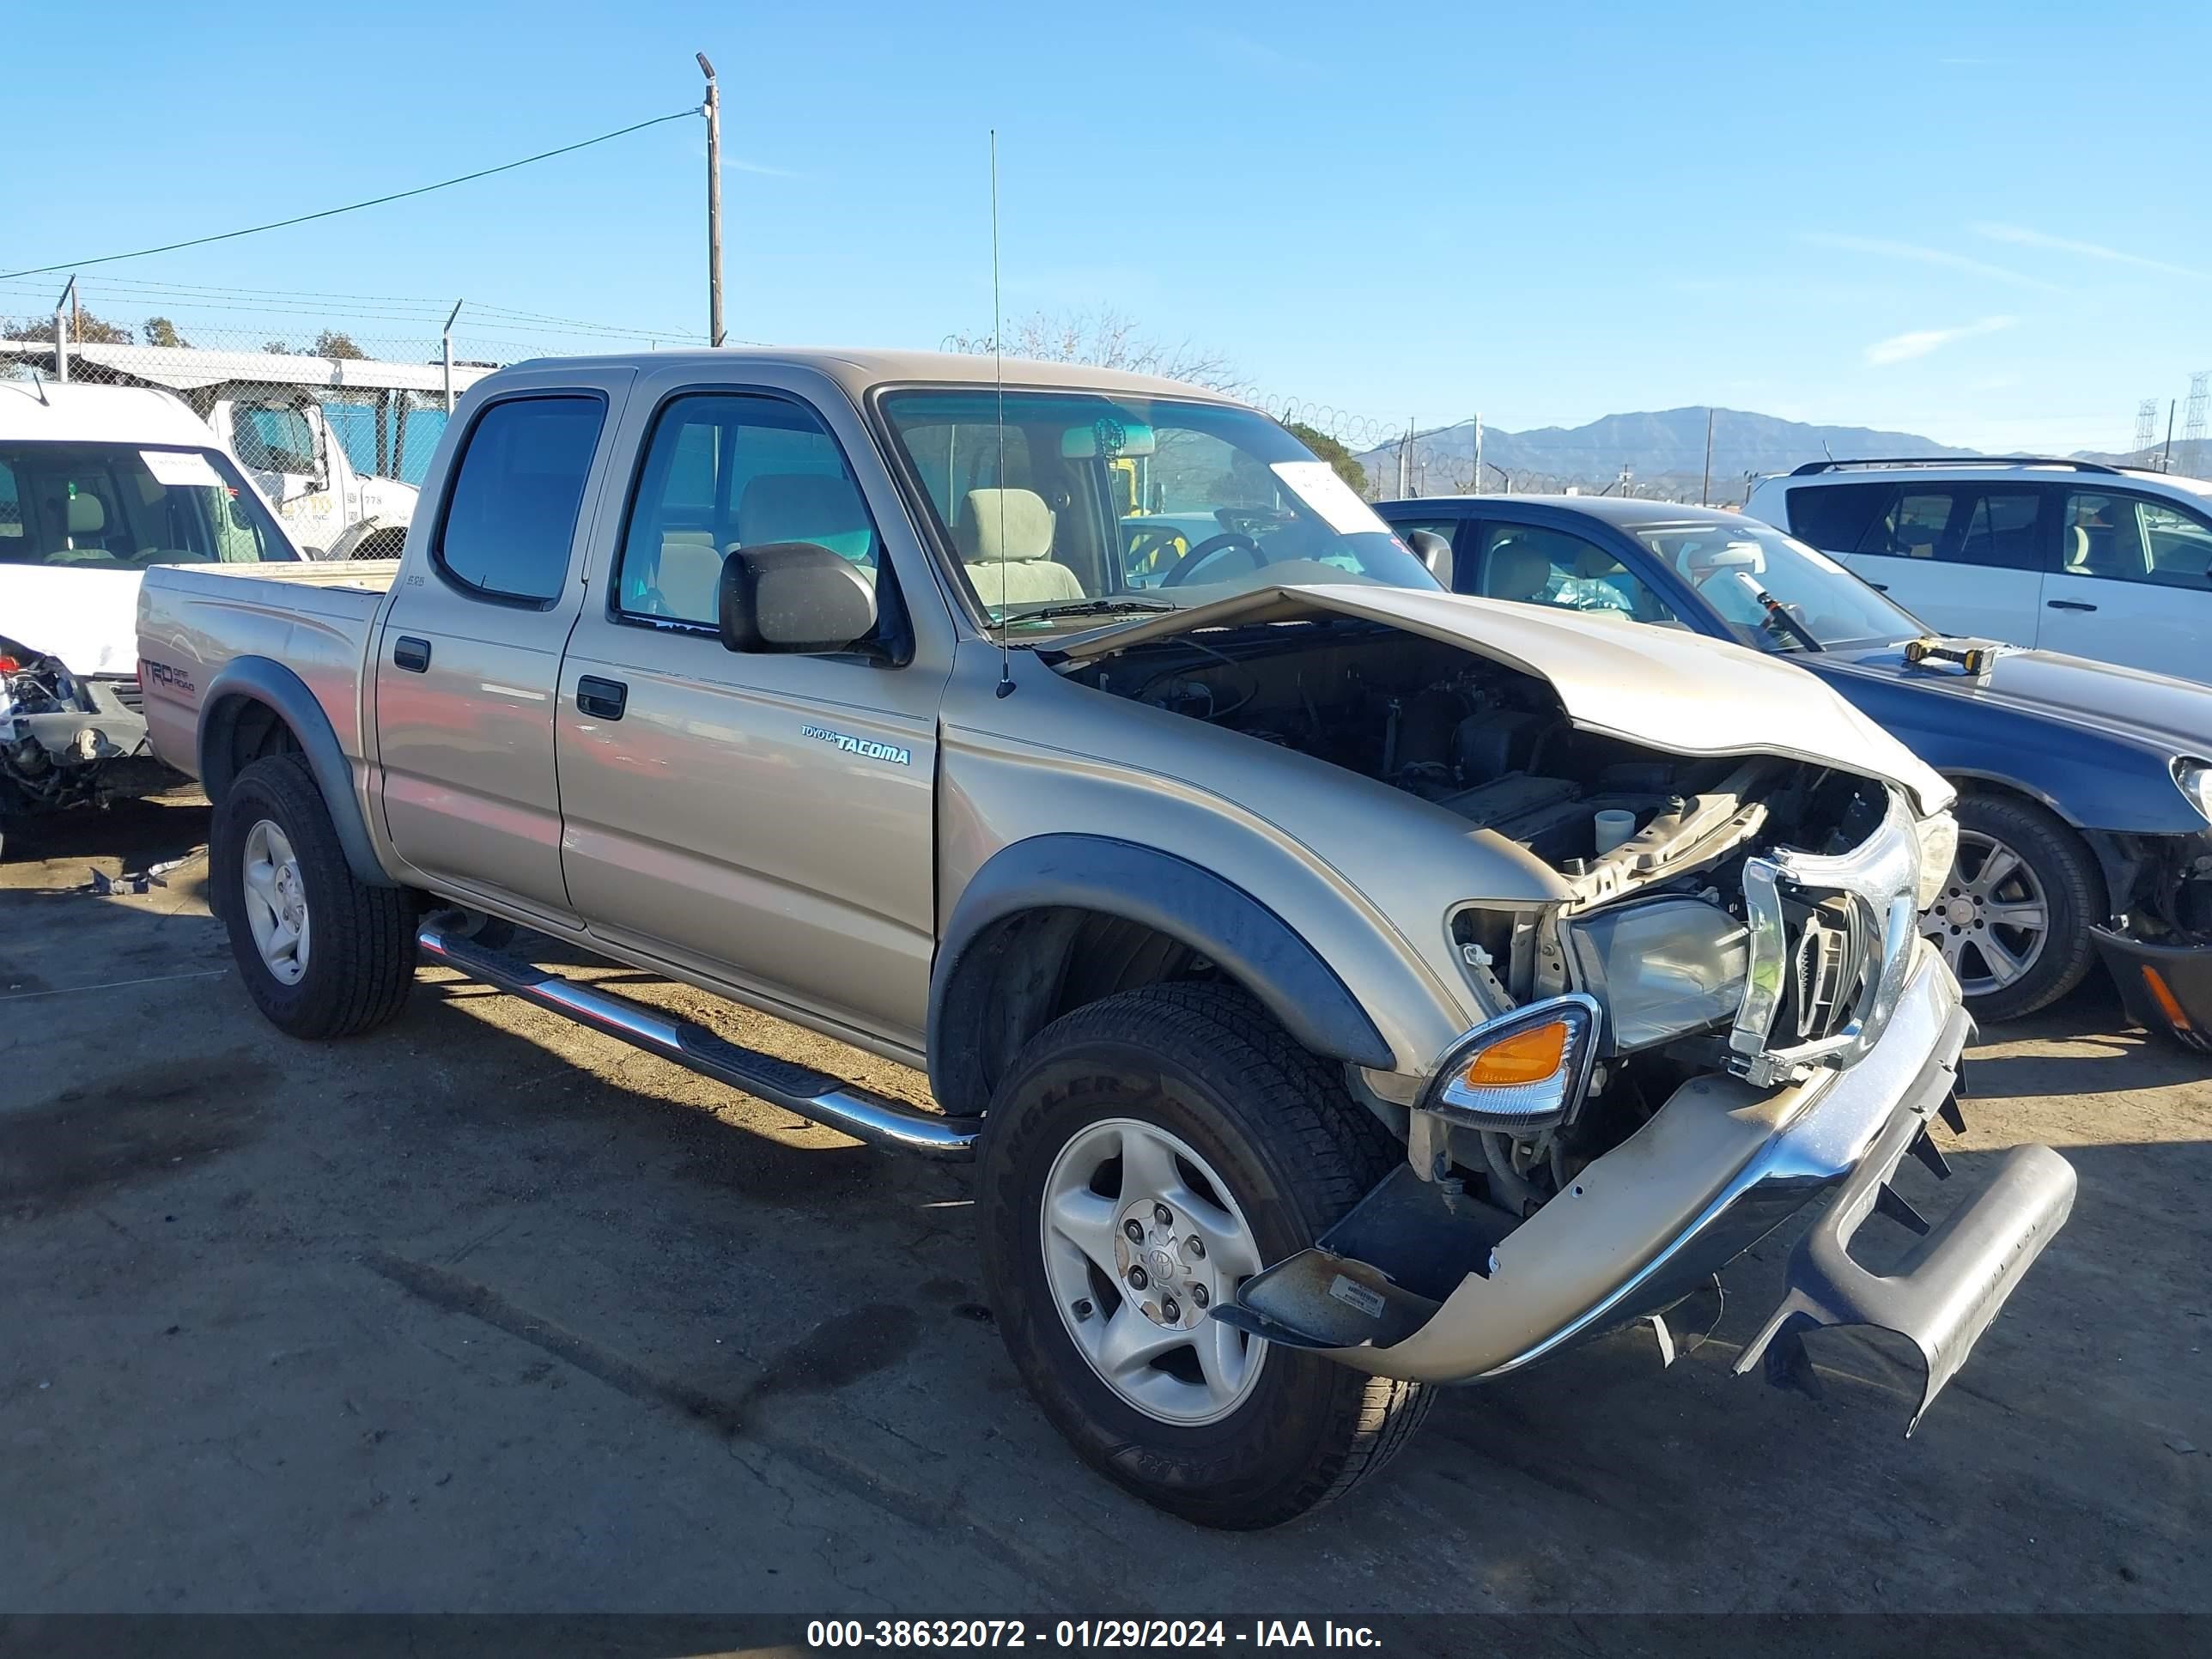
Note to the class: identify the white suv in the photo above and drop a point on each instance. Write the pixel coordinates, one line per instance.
(2109, 562)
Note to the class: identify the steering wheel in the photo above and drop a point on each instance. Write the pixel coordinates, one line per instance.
(1206, 549)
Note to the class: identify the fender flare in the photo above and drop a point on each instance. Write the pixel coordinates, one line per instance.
(266, 681)
(1176, 897)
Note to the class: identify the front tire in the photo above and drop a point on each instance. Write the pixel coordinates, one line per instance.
(321, 953)
(1181, 1113)
(2014, 917)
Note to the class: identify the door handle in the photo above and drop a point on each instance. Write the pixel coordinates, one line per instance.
(2069, 604)
(1879, 588)
(411, 654)
(603, 700)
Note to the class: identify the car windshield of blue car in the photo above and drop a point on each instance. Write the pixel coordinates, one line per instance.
(1774, 593)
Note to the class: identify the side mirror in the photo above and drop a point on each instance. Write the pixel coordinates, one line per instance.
(793, 596)
(1433, 551)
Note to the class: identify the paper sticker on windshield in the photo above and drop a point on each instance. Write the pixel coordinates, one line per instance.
(1316, 483)
(180, 468)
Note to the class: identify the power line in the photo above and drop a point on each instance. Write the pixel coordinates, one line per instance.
(354, 207)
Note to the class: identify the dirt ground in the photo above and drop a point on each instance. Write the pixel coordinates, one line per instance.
(483, 1313)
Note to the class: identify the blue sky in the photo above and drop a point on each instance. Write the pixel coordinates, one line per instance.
(1985, 223)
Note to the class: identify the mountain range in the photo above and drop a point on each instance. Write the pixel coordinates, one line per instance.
(1662, 445)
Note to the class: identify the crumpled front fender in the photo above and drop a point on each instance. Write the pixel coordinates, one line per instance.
(1717, 1168)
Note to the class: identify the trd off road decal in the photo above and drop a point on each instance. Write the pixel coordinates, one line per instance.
(866, 748)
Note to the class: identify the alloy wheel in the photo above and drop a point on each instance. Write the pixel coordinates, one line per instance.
(276, 902)
(1141, 1238)
(1993, 918)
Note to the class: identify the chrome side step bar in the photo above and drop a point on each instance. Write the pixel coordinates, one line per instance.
(841, 1106)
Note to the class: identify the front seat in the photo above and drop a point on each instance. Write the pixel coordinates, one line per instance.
(1005, 538)
(1518, 572)
(88, 523)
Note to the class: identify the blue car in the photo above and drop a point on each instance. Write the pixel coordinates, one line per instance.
(2085, 809)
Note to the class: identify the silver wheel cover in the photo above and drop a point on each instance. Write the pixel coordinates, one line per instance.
(1134, 1269)
(276, 902)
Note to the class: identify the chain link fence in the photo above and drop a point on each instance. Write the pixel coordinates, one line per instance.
(332, 403)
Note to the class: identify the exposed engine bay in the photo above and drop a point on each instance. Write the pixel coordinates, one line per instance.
(67, 741)
(1614, 820)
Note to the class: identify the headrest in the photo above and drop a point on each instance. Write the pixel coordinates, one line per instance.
(1000, 525)
(86, 517)
(1517, 571)
(822, 508)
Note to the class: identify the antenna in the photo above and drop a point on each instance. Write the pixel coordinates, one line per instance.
(999, 386)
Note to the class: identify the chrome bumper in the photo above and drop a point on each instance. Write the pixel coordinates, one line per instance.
(1717, 1168)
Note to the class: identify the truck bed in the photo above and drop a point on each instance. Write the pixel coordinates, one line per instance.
(314, 619)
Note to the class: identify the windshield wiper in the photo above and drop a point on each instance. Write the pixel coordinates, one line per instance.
(1777, 614)
(1089, 608)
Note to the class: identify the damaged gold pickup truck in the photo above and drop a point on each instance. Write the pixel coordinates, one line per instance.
(1347, 988)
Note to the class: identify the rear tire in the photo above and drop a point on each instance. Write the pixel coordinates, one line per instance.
(321, 953)
(1255, 1132)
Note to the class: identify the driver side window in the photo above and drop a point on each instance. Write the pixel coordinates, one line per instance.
(1534, 564)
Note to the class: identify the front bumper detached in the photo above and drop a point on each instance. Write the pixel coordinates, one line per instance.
(1406, 1286)
(2164, 988)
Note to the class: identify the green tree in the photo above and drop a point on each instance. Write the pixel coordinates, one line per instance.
(85, 329)
(335, 343)
(1348, 468)
(160, 332)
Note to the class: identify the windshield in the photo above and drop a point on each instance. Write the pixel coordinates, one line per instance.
(1737, 566)
(1080, 503)
(110, 507)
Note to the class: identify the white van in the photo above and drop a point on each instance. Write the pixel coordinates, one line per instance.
(2113, 563)
(98, 483)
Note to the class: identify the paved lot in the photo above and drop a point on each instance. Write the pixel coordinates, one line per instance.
(484, 1313)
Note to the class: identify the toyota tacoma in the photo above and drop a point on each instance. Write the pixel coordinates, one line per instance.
(1346, 987)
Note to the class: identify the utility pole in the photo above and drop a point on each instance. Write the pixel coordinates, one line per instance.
(1705, 490)
(713, 202)
(447, 339)
(1478, 452)
(1405, 463)
(2166, 464)
(65, 314)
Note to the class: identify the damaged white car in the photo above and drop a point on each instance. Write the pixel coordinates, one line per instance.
(97, 484)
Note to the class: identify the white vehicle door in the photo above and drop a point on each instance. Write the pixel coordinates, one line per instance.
(1965, 558)
(284, 448)
(2134, 583)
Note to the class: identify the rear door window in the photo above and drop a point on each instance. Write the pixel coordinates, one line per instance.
(1995, 527)
(517, 487)
(2000, 530)
(1916, 523)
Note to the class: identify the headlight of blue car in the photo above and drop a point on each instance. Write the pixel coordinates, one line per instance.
(2195, 777)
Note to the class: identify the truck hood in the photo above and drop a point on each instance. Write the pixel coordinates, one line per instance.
(1653, 686)
(2154, 709)
(88, 619)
